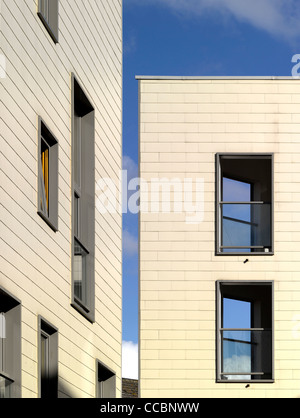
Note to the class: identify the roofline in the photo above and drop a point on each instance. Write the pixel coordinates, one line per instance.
(162, 77)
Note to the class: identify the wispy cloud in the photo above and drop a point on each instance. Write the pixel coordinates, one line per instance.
(130, 244)
(131, 166)
(130, 43)
(277, 17)
(130, 360)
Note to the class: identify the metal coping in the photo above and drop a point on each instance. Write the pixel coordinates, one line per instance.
(162, 77)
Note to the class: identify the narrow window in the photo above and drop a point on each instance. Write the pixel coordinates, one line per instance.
(83, 193)
(244, 196)
(48, 360)
(106, 382)
(245, 331)
(48, 176)
(10, 346)
(48, 13)
(44, 177)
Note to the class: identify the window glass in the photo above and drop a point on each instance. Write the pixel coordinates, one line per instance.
(48, 176)
(44, 5)
(77, 150)
(45, 175)
(80, 272)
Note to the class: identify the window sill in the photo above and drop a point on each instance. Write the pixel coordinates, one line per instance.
(244, 254)
(48, 221)
(48, 27)
(83, 310)
(6, 377)
(249, 382)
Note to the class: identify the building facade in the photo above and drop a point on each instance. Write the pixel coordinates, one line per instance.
(219, 295)
(60, 275)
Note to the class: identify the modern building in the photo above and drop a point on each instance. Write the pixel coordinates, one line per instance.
(60, 274)
(219, 295)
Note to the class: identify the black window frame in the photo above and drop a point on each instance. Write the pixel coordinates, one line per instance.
(268, 251)
(222, 287)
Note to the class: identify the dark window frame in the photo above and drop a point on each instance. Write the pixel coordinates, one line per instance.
(50, 333)
(220, 286)
(105, 381)
(83, 197)
(10, 351)
(49, 215)
(218, 200)
(49, 19)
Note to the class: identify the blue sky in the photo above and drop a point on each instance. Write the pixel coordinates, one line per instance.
(192, 38)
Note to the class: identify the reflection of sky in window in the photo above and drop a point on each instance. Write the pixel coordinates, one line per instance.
(236, 233)
(236, 353)
(236, 313)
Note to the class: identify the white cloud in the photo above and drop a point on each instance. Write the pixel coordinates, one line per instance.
(277, 17)
(130, 243)
(129, 360)
(237, 364)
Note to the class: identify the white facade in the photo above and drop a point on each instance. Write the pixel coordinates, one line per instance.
(184, 124)
(35, 261)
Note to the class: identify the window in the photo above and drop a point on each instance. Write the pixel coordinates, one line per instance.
(48, 13)
(48, 176)
(245, 331)
(48, 360)
(244, 200)
(106, 382)
(83, 192)
(10, 346)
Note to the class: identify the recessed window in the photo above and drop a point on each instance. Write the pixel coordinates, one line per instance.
(245, 331)
(83, 193)
(10, 346)
(106, 382)
(48, 360)
(48, 13)
(48, 176)
(244, 196)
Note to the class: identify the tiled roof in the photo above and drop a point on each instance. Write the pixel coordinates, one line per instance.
(130, 388)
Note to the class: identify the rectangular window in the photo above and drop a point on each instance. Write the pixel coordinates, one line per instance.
(48, 175)
(10, 346)
(106, 381)
(48, 360)
(245, 331)
(244, 200)
(83, 193)
(48, 13)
